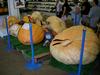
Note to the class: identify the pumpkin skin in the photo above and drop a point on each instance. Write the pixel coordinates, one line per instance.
(56, 24)
(37, 17)
(24, 34)
(12, 20)
(14, 29)
(66, 46)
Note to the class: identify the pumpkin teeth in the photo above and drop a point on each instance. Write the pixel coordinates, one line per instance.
(66, 43)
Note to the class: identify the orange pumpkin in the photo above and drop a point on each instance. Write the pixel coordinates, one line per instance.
(12, 20)
(24, 34)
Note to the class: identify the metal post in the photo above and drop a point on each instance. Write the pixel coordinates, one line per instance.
(82, 51)
(81, 54)
(9, 47)
(32, 65)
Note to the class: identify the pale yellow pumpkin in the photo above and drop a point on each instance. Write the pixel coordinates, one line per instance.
(37, 17)
(24, 34)
(56, 24)
(66, 46)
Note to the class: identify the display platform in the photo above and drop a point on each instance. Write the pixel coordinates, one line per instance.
(40, 52)
(86, 69)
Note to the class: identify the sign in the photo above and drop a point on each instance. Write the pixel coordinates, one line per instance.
(19, 3)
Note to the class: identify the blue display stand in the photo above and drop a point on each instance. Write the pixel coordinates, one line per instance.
(9, 47)
(32, 65)
(81, 54)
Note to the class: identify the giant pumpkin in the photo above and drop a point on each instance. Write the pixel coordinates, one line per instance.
(24, 34)
(66, 46)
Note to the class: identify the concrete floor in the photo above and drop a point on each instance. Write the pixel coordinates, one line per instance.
(13, 63)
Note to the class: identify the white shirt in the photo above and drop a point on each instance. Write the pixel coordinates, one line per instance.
(59, 6)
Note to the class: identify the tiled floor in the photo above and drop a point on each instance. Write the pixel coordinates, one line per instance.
(13, 63)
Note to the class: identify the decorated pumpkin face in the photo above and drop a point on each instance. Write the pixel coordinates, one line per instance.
(12, 20)
(66, 46)
(56, 24)
(14, 29)
(24, 34)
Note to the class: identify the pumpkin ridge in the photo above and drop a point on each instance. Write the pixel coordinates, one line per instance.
(38, 35)
(41, 34)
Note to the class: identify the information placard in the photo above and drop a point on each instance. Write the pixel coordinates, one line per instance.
(19, 3)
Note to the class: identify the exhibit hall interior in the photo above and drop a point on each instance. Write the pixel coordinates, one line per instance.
(49, 37)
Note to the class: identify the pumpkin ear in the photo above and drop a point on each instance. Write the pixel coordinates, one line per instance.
(66, 42)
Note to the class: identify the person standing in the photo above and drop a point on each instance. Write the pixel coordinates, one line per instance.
(85, 7)
(65, 10)
(58, 7)
(85, 11)
(94, 14)
(76, 14)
